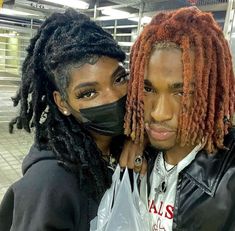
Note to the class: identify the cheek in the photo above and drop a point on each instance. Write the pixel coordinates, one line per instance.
(147, 107)
(177, 110)
(123, 88)
(74, 108)
(177, 107)
(76, 113)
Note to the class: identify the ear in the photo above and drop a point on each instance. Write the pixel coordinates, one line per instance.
(61, 104)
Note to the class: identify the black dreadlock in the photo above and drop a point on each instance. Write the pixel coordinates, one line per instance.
(62, 41)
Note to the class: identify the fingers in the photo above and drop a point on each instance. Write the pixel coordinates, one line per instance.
(142, 170)
(129, 153)
(131, 157)
(138, 161)
(123, 160)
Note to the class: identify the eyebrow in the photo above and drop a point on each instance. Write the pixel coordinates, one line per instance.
(180, 85)
(86, 84)
(94, 83)
(119, 70)
(147, 82)
(174, 86)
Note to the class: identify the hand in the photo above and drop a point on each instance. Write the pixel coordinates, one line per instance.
(130, 152)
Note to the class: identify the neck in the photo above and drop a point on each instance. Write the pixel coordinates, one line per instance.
(102, 142)
(175, 155)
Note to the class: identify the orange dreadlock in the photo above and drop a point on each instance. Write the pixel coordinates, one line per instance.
(213, 74)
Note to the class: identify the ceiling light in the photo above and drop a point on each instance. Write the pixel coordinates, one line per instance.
(13, 12)
(8, 35)
(71, 3)
(144, 20)
(115, 13)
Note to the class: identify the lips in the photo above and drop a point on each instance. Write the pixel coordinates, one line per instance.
(159, 133)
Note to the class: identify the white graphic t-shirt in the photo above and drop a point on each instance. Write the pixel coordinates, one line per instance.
(163, 181)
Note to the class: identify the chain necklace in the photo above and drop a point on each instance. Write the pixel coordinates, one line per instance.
(164, 175)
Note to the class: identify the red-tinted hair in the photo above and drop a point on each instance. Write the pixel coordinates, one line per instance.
(211, 114)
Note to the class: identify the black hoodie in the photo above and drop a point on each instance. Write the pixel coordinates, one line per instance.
(47, 197)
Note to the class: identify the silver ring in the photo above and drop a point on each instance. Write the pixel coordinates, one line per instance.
(138, 161)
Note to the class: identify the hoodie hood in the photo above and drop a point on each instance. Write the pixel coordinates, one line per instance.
(35, 156)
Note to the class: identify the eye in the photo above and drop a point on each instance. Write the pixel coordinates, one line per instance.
(121, 79)
(86, 94)
(148, 89)
(180, 93)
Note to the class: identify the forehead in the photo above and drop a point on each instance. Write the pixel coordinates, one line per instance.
(96, 66)
(165, 58)
(103, 68)
(166, 65)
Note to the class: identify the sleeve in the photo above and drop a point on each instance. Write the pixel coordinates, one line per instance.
(46, 198)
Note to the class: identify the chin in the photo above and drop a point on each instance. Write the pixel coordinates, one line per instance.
(162, 145)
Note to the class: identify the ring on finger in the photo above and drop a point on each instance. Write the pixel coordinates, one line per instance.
(138, 161)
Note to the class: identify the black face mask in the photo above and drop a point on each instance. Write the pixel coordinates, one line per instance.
(106, 119)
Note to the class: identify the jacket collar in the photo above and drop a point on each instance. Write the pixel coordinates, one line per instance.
(206, 170)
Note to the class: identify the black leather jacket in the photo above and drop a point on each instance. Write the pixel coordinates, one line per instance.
(205, 196)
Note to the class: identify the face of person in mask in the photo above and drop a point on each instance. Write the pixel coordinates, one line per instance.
(96, 96)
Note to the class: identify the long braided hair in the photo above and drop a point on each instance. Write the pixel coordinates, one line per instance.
(63, 41)
(211, 114)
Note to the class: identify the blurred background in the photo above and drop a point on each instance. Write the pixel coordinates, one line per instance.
(19, 20)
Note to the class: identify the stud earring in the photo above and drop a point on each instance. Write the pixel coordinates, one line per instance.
(65, 112)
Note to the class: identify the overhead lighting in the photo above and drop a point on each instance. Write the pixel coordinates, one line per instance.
(144, 20)
(115, 13)
(8, 35)
(71, 3)
(13, 12)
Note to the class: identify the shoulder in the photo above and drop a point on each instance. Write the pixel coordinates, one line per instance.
(47, 192)
(46, 196)
(229, 143)
(228, 164)
(229, 139)
(46, 176)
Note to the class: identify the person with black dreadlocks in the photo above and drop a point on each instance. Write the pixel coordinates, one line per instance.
(73, 95)
(182, 93)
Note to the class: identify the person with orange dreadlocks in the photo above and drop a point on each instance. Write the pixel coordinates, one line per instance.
(182, 93)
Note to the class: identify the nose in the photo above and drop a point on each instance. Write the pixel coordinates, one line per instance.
(162, 109)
